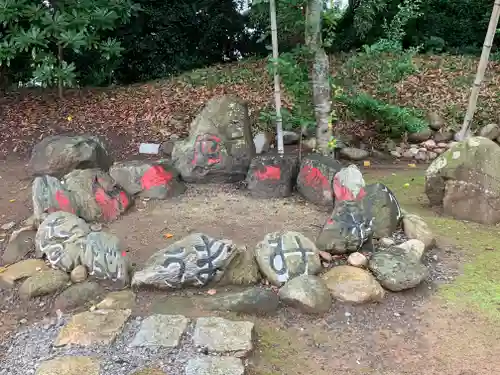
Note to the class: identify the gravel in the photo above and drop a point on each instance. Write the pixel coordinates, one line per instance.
(26, 349)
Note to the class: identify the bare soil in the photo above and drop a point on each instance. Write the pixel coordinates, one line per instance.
(415, 332)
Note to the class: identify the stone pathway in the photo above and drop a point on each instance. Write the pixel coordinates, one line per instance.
(110, 342)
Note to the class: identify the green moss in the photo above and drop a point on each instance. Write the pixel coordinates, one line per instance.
(478, 286)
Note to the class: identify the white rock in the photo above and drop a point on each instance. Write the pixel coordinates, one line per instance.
(432, 155)
(357, 260)
(422, 155)
(414, 248)
(262, 143)
(429, 144)
(386, 242)
(442, 145)
(439, 151)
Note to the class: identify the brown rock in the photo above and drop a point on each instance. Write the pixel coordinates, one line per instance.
(42, 283)
(21, 243)
(21, 270)
(443, 136)
(121, 300)
(78, 295)
(416, 228)
(435, 121)
(357, 260)
(71, 365)
(100, 327)
(79, 274)
(352, 284)
(149, 371)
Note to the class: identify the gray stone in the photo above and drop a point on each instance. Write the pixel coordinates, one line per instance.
(161, 330)
(490, 131)
(353, 153)
(415, 228)
(79, 274)
(21, 243)
(20, 270)
(420, 136)
(255, 300)
(289, 137)
(397, 271)
(218, 335)
(262, 142)
(43, 283)
(283, 256)
(307, 293)
(78, 295)
(215, 366)
(443, 135)
(70, 365)
(436, 122)
(120, 300)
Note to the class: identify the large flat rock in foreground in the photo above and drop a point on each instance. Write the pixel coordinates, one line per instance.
(161, 330)
(215, 366)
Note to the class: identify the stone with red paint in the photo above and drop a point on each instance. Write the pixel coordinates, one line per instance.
(272, 176)
(315, 179)
(148, 179)
(50, 195)
(220, 145)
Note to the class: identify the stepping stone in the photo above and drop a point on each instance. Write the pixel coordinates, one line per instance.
(123, 299)
(69, 366)
(43, 283)
(215, 366)
(149, 371)
(100, 327)
(21, 270)
(218, 335)
(78, 295)
(161, 330)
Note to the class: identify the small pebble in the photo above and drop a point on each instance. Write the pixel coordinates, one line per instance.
(357, 260)
(23, 321)
(347, 313)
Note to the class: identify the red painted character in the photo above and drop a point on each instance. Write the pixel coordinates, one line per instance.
(269, 173)
(313, 177)
(155, 176)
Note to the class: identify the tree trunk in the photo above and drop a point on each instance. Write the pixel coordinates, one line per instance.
(277, 90)
(319, 75)
(483, 64)
(60, 82)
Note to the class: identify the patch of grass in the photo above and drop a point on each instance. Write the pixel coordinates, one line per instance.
(478, 286)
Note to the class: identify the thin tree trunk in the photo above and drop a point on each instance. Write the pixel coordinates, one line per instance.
(483, 64)
(319, 75)
(60, 82)
(277, 90)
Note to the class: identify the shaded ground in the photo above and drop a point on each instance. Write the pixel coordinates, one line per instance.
(447, 326)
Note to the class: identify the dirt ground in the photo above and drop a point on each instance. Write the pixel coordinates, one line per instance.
(415, 332)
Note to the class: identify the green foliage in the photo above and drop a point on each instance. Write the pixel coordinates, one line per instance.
(51, 33)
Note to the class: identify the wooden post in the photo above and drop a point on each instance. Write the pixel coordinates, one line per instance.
(277, 90)
(483, 64)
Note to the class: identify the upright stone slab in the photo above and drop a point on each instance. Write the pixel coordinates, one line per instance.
(148, 179)
(222, 336)
(161, 331)
(272, 176)
(315, 179)
(208, 365)
(220, 146)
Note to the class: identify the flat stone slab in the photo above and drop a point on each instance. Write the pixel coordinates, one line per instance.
(219, 335)
(70, 366)
(100, 327)
(21, 270)
(215, 366)
(161, 330)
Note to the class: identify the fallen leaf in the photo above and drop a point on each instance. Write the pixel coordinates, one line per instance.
(168, 235)
(411, 165)
(367, 163)
(406, 185)
(12, 200)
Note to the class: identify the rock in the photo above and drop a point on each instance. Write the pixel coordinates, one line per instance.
(465, 181)
(490, 131)
(121, 300)
(241, 268)
(380, 205)
(214, 366)
(429, 144)
(389, 145)
(315, 179)
(192, 261)
(307, 293)
(347, 229)
(20, 270)
(397, 271)
(422, 156)
(78, 295)
(357, 260)
(283, 256)
(443, 145)
(70, 365)
(352, 284)
(50, 195)
(416, 228)
(396, 154)
(432, 155)
(220, 146)
(96, 195)
(435, 121)
(289, 137)
(254, 300)
(59, 154)
(443, 136)
(61, 238)
(353, 153)
(79, 274)
(8, 226)
(413, 248)
(222, 336)
(272, 176)
(386, 242)
(160, 331)
(439, 151)
(43, 283)
(262, 142)
(21, 243)
(100, 327)
(410, 153)
(420, 136)
(149, 371)
(104, 258)
(149, 179)
(309, 143)
(167, 147)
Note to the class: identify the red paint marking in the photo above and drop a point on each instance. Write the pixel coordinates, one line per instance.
(124, 253)
(330, 221)
(155, 176)
(343, 193)
(209, 147)
(109, 206)
(123, 198)
(269, 173)
(313, 177)
(63, 202)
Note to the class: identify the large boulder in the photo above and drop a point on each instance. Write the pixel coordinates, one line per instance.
(381, 205)
(192, 261)
(50, 195)
(220, 145)
(60, 154)
(283, 256)
(148, 179)
(315, 179)
(96, 195)
(465, 181)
